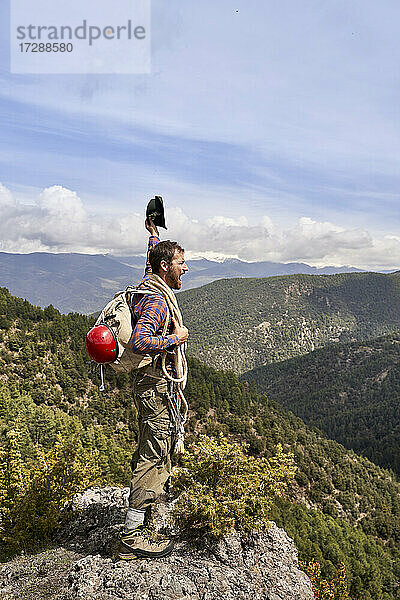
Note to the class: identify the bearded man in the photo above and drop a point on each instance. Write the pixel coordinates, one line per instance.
(158, 334)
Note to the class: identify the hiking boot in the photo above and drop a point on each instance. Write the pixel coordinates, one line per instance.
(142, 543)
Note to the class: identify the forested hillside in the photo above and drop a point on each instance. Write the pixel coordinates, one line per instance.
(241, 324)
(350, 391)
(347, 509)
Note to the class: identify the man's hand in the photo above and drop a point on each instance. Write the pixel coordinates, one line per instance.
(151, 228)
(181, 332)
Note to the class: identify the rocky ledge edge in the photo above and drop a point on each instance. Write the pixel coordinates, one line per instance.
(81, 563)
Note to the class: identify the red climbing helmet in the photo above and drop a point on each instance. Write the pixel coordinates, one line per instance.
(101, 344)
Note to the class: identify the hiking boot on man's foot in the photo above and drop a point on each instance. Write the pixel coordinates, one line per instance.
(142, 543)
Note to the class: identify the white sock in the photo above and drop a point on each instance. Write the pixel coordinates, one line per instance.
(134, 518)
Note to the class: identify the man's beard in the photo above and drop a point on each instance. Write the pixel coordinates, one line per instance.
(173, 280)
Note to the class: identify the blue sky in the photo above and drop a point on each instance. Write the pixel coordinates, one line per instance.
(271, 130)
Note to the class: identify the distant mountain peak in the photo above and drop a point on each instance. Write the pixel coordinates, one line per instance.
(84, 282)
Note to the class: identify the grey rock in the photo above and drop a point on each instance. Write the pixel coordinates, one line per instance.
(43, 576)
(260, 566)
(93, 519)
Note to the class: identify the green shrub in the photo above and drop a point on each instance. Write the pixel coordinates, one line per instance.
(333, 589)
(33, 492)
(221, 489)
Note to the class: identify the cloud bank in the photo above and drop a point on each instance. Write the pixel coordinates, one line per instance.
(59, 222)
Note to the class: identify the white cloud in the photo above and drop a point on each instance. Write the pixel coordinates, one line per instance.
(7, 201)
(58, 201)
(59, 222)
(315, 240)
(219, 221)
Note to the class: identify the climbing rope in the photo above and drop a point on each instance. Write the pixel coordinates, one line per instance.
(179, 382)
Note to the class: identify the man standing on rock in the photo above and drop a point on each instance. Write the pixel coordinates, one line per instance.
(157, 390)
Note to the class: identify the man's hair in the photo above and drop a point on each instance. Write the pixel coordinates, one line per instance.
(163, 251)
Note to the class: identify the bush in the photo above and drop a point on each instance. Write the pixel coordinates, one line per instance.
(32, 493)
(335, 589)
(223, 490)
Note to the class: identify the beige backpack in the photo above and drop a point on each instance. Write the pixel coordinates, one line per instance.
(118, 315)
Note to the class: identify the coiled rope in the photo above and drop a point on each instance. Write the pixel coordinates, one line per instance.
(179, 382)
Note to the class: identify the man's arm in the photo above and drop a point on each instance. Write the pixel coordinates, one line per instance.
(153, 315)
(153, 241)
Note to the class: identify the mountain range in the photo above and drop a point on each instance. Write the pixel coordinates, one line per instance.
(241, 324)
(84, 283)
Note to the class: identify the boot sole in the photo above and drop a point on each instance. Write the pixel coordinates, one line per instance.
(131, 553)
(128, 556)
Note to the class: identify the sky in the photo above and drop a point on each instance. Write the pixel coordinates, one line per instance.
(271, 129)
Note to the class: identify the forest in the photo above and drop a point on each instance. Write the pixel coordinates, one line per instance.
(241, 324)
(350, 391)
(341, 508)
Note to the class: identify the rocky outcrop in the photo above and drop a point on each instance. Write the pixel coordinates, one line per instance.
(260, 567)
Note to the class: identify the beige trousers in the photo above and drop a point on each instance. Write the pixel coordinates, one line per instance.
(151, 462)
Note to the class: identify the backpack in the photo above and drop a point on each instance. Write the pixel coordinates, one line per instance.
(119, 318)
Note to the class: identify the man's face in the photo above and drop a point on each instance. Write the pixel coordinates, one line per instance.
(176, 269)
